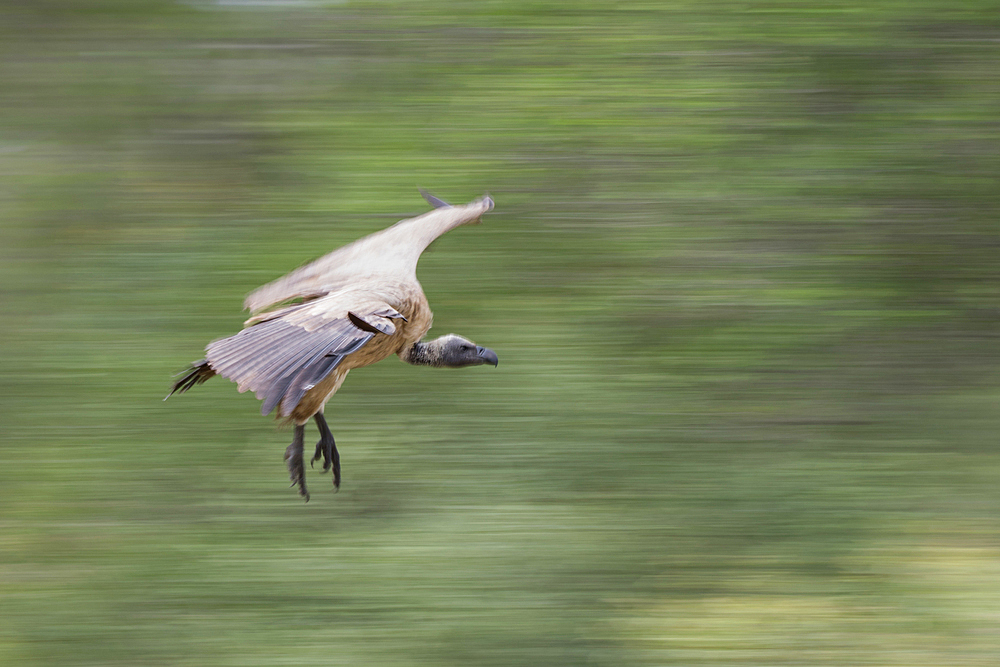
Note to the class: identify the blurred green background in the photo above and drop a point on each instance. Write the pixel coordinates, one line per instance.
(743, 277)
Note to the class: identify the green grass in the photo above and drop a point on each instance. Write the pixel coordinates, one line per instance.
(742, 278)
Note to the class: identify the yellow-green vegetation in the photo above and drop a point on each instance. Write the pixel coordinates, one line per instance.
(743, 277)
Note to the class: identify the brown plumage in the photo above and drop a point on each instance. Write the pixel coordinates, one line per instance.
(359, 305)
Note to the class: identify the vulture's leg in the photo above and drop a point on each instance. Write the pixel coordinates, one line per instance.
(327, 448)
(293, 457)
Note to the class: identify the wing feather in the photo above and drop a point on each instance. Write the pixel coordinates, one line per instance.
(280, 359)
(285, 360)
(236, 351)
(303, 378)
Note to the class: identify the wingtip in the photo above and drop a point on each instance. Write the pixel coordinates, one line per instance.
(436, 202)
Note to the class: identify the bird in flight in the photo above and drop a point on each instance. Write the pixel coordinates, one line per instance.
(351, 308)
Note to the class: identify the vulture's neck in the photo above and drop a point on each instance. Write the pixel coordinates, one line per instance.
(430, 353)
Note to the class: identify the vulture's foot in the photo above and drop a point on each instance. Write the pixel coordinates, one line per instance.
(293, 457)
(327, 449)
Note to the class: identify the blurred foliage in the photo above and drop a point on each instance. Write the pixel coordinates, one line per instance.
(743, 278)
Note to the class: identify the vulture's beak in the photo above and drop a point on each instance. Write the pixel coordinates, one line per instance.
(488, 356)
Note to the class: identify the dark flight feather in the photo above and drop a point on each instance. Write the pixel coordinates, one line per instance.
(199, 372)
(434, 201)
(280, 360)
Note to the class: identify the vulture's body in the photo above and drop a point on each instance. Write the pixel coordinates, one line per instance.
(361, 304)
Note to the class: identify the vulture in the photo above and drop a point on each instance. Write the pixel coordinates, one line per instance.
(351, 308)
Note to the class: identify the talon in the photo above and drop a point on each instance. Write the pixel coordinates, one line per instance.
(293, 457)
(328, 447)
(321, 452)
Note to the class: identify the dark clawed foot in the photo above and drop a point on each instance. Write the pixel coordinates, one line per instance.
(327, 448)
(322, 451)
(336, 469)
(296, 468)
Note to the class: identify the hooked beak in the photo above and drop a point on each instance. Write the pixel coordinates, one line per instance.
(488, 356)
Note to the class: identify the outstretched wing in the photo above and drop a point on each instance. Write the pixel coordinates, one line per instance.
(282, 358)
(390, 254)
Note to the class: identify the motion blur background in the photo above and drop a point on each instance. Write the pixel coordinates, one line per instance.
(743, 278)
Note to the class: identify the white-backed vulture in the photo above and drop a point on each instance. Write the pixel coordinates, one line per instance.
(353, 307)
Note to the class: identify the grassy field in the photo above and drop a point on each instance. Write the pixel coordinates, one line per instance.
(743, 277)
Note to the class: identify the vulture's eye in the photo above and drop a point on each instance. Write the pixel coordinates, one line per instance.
(464, 348)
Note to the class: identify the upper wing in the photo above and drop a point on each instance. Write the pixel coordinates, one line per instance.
(389, 254)
(282, 358)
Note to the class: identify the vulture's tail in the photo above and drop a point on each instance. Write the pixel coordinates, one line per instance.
(198, 373)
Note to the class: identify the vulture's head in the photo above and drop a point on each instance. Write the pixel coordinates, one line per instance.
(456, 352)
